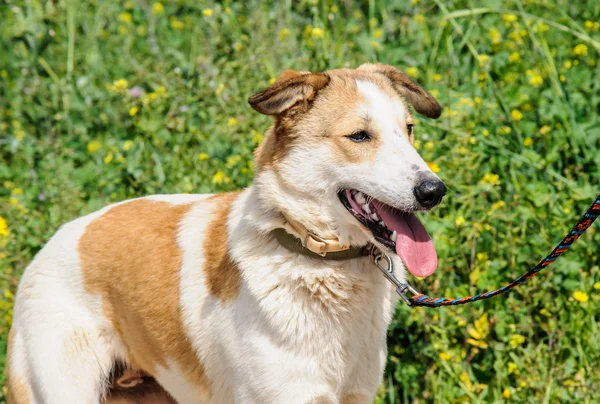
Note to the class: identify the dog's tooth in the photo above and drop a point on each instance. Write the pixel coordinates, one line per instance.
(353, 192)
(375, 217)
(382, 223)
(360, 198)
(366, 208)
(394, 236)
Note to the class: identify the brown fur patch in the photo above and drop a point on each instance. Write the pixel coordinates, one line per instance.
(131, 258)
(18, 390)
(222, 274)
(355, 399)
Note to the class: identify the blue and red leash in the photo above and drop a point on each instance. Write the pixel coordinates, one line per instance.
(420, 299)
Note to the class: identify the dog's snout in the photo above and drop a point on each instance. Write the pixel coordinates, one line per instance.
(429, 192)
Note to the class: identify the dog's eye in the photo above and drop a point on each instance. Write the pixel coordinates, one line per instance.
(359, 137)
(410, 127)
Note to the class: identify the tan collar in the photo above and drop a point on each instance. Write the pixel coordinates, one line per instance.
(316, 244)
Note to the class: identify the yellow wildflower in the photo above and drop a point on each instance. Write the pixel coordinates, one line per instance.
(122, 30)
(417, 144)
(543, 27)
(317, 33)
(419, 18)
(490, 178)
(509, 17)
(597, 286)
(94, 146)
(483, 59)
(504, 130)
(527, 141)
(412, 72)
(516, 114)
(17, 191)
(495, 36)
(283, 34)
(512, 368)
(232, 122)
(567, 64)
(459, 221)
(3, 227)
(436, 77)
(378, 33)
(157, 8)
(207, 12)
(445, 356)
(127, 145)
(485, 132)
(545, 129)
(581, 297)
(109, 157)
(203, 156)
(118, 86)
(125, 17)
(218, 178)
(177, 24)
(580, 50)
(516, 340)
(498, 205)
(429, 145)
(514, 57)
(506, 394)
(415, 2)
(477, 343)
(133, 111)
(433, 167)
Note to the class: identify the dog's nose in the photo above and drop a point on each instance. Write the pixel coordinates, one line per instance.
(429, 192)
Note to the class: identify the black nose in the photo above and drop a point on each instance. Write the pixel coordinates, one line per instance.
(429, 192)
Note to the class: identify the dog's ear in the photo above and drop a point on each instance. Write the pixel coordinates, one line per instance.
(421, 100)
(288, 90)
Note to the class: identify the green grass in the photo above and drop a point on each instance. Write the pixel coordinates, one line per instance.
(517, 145)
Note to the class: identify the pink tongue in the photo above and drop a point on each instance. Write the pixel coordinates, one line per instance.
(413, 245)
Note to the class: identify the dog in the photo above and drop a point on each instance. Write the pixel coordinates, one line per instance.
(261, 296)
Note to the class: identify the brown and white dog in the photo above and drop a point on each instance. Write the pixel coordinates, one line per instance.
(195, 290)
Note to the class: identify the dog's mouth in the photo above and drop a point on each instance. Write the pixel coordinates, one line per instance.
(399, 231)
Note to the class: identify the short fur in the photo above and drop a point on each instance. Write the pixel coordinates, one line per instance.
(194, 290)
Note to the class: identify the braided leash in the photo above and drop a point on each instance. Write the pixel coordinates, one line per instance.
(420, 299)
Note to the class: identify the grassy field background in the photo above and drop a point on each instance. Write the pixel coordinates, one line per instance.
(101, 101)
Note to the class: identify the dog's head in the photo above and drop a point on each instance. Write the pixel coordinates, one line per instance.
(340, 158)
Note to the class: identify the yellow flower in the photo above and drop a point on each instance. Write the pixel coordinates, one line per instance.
(506, 394)
(429, 145)
(415, 2)
(495, 36)
(118, 86)
(445, 356)
(157, 8)
(232, 122)
(17, 191)
(133, 111)
(485, 132)
(509, 17)
(3, 227)
(412, 72)
(568, 64)
(514, 57)
(125, 17)
(516, 114)
(543, 27)
(512, 368)
(483, 59)
(218, 178)
(545, 129)
(581, 297)
(203, 156)
(237, 47)
(516, 340)
(490, 178)
(580, 50)
(109, 157)
(378, 33)
(459, 221)
(436, 77)
(527, 141)
(283, 34)
(419, 18)
(122, 30)
(317, 33)
(498, 205)
(207, 12)
(434, 167)
(177, 24)
(94, 146)
(478, 344)
(504, 130)
(597, 286)
(127, 145)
